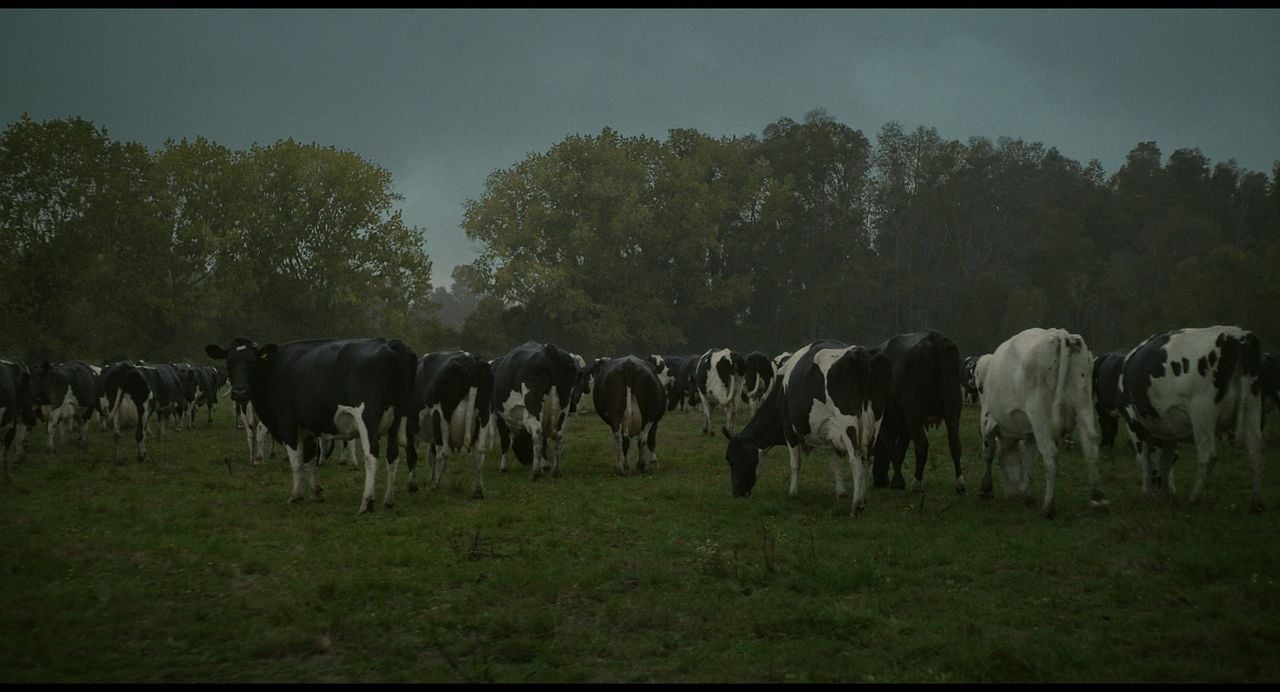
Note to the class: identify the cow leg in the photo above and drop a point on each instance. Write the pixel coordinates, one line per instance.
(251, 435)
(836, 462)
(858, 469)
(477, 492)
(1202, 428)
(899, 453)
(311, 463)
(140, 432)
(504, 439)
(619, 454)
(1044, 442)
(1089, 446)
(794, 489)
(990, 447)
(706, 416)
(437, 459)
(921, 442)
(730, 408)
(953, 444)
(295, 466)
(651, 445)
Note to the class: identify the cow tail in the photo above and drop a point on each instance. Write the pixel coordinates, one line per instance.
(1064, 363)
(471, 414)
(406, 372)
(1249, 362)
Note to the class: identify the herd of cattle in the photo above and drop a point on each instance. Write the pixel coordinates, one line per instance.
(863, 405)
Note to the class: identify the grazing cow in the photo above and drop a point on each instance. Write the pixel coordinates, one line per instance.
(757, 379)
(630, 398)
(830, 395)
(451, 393)
(532, 385)
(719, 378)
(967, 380)
(926, 391)
(1188, 385)
(330, 388)
(1106, 381)
(1036, 387)
(67, 396)
(1270, 382)
(138, 391)
(16, 413)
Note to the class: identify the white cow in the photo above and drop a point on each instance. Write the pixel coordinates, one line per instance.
(1188, 385)
(1036, 387)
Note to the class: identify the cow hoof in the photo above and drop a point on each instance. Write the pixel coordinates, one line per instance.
(295, 498)
(898, 484)
(857, 511)
(388, 503)
(1256, 508)
(842, 495)
(413, 487)
(960, 489)
(366, 506)
(1100, 504)
(986, 494)
(1047, 513)
(477, 495)
(917, 487)
(502, 470)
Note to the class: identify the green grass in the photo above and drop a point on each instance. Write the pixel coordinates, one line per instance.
(193, 567)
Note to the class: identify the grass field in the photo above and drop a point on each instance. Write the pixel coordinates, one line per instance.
(193, 567)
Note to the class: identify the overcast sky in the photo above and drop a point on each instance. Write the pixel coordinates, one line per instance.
(442, 98)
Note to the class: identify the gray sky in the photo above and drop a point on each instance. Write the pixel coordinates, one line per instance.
(442, 98)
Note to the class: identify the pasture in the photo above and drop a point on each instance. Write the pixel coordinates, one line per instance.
(192, 567)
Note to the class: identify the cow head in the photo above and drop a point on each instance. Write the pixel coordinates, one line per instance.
(243, 358)
(744, 461)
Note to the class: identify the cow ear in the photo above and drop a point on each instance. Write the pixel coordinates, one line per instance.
(265, 353)
(216, 352)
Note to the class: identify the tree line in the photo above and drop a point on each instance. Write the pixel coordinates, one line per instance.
(607, 244)
(611, 244)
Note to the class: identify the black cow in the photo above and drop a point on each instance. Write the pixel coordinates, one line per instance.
(719, 376)
(757, 378)
(16, 414)
(630, 399)
(532, 387)
(1188, 385)
(452, 395)
(1106, 381)
(67, 395)
(829, 395)
(330, 388)
(1270, 382)
(967, 380)
(138, 391)
(926, 391)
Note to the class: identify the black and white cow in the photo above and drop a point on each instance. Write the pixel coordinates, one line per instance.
(139, 391)
(16, 414)
(330, 388)
(67, 395)
(683, 392)
(207, 386)
(1036, 387)
(719, 376)
(630, 398)
(189, 376)
(926, 391)
(452, 393)
(967, 380)
(581, 386)
(757, 379)
(829, 395)
(1188, 385)
(1106, 382)
(532, 386)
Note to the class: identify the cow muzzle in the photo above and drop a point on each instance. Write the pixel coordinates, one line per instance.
(240, 395)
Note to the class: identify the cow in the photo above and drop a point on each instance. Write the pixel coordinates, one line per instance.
(1188, 385)
(1034, 388)
(1270, 382)
(189, 376)
(16, 414)
(580, 385)
(67, 396)
(780, 360)
(532, 386)
(757, 379)
(451, 394)
(682, 392)
(719, 376)
(829, 395)
(1106, 380)
(967, 381)
(630, 398)
(926, 391)
(138, 391)
(329, 388)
